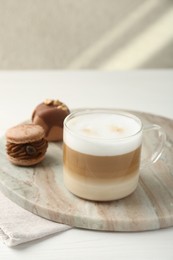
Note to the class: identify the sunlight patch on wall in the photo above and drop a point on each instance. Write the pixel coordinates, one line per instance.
(144, 46)
(94, 51)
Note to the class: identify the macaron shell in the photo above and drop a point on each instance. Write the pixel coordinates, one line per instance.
(25, 133)
(28, 162)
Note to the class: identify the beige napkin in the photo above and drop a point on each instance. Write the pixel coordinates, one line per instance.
(18, 225)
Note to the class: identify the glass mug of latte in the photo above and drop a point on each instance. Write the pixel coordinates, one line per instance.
(102, 153)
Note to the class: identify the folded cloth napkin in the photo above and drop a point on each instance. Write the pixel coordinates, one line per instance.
(18, 225)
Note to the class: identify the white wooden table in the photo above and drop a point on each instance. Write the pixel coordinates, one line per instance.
(147, 91)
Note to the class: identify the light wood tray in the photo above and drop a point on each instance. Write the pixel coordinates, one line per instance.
(40, 189)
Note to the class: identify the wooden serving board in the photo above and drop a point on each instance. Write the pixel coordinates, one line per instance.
(40, 189)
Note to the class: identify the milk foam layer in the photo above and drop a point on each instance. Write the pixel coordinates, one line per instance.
(102, 134)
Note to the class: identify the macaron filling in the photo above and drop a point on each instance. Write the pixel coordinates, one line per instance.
(27, 151)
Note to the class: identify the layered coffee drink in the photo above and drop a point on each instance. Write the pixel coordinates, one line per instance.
(101, 154)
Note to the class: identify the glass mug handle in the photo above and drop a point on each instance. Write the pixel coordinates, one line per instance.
(158, 146)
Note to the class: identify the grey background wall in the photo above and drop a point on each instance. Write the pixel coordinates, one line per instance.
(86, 34)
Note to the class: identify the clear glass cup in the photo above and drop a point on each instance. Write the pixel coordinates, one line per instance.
(102, 153)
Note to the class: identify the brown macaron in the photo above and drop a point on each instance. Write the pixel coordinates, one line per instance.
(26, 144)
(50, 114)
